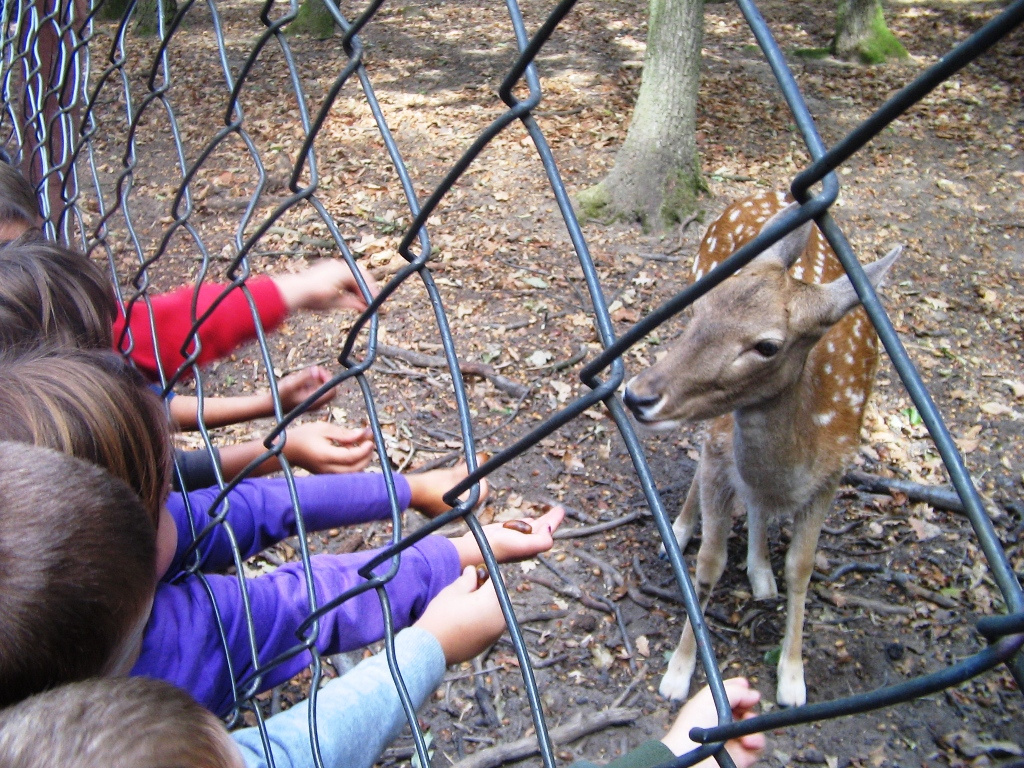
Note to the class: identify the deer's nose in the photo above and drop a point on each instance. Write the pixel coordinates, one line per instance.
(638, 404)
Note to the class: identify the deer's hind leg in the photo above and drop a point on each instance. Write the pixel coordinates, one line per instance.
(718, 502)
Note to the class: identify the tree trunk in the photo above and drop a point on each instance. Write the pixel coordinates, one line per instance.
(656, 177)
(861, 33)
(147, 16)
(313, 19)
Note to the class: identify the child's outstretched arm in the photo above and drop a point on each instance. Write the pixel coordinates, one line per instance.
(317, 446)
(508, 543)
(360, 713)
(700, 712)
(328, 284)
(220, 411)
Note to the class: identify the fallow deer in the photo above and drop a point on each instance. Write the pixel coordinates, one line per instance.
(783, 367)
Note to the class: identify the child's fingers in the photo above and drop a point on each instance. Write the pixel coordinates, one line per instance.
(549, 521)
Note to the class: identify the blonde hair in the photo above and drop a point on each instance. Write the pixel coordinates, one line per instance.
(77, 569)
(92, 405)
(116, 723)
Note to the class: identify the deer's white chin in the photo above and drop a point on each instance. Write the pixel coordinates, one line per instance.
(666, 425)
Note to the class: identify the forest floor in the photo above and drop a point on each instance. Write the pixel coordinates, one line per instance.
(946, 180)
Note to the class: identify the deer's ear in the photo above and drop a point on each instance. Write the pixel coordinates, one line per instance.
(840, 296)
(788, 249)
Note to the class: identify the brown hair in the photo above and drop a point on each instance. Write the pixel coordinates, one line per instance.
(77, 562)
(52, 294)
(18, 202)
(92, 405)
(129, 722)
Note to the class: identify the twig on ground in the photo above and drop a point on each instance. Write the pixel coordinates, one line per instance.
(939, 497)
(633, 592)
(580, 725)
(546, 615)
(590, 530)
(420, 360)
(609, 570)
(904, 581)
(647, 587)
(841, 530)
(568, 362)
(878, 606)
(573, 512)
(626, 644)
(483, 696)
(640, 675)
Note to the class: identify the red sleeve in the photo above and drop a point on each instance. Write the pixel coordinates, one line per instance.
(230, 325)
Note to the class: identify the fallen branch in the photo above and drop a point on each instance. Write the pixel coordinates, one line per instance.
(878, 606)
(590, 530)
(902, 580)
(651, 589)
(420, 360)
(581, 725)
(939, 497)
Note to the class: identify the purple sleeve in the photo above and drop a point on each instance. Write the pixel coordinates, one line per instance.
(182, 642)
(260, 513)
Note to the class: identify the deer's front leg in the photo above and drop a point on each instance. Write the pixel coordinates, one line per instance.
(686, 522)
(759, 566)
(792, 692)
(716, 523)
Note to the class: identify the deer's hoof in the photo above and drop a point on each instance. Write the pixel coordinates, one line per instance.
(763, 585)
(676, 682)
(791, 691)
(672, 688)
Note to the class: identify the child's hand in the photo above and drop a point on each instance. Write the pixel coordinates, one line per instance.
(297, 386)
(328, 284)
(700, 712)
(325, 448)
(465, 619)
(509, 545)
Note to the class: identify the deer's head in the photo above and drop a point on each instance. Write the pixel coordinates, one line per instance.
(749, 337)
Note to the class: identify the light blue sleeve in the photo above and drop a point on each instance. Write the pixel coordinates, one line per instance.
(358, 714)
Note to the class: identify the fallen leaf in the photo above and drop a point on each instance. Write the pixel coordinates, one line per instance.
(923, 529)
(995, 409)
(603, 658)
(643, 646)
(1017, 387)
(539, 358)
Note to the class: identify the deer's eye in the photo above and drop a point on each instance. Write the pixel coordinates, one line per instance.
(767, 348)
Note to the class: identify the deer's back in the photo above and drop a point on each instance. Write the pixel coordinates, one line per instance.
(840, 368)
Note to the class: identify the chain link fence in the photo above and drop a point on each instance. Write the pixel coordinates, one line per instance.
(219, 146)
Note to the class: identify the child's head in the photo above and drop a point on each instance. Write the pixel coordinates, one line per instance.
(54, 295)
(77, 560)
(94, 406)
(19, 207)
(130, 722)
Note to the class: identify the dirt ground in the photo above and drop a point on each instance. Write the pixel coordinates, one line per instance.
(946, 180)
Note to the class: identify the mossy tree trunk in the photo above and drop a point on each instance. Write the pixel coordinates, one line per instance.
(147, 15)
(862, 34)
(656, 177)
(313, 19)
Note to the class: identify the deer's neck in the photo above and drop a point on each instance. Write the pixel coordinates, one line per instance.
(774, 441)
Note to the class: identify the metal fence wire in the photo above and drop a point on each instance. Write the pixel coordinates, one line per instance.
(103, 119)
